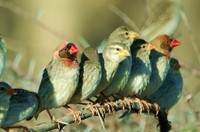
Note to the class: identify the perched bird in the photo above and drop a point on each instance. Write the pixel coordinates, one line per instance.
(60, 78)
(122, 34)
(110, 58)
(116, 59)
(90, 75)
(5, 94)
(171, 90)
(125, 36)
(22, 106)
(165, 17)
(2, 56)
(159, 58)
(140, 71)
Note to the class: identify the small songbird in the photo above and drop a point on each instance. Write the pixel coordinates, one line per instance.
(171, 90)
(116, 59)
(140, 71)
(5, 94)
(2, 56)
(90, 75)
(60, 78)
(165, 18)
(159, 58)
(23, 105)
(110, 59)
(124, 36)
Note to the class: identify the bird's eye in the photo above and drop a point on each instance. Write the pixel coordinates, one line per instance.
(2, 88)
(117, 49)
(126, 33)
(143, 46)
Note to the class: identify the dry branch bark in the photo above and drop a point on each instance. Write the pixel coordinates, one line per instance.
(85, 114)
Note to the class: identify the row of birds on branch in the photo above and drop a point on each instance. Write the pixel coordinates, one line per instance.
(128, 67)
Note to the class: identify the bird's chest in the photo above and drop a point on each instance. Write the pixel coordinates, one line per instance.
(163, 67)
(64, 85)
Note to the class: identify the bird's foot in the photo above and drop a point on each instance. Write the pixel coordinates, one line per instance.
(100, 110)
(122, 103)
(92, 109)
(128, 103)
(76, 114)
(147, 105)
(139, 102)
(110, 106)
(157, 108)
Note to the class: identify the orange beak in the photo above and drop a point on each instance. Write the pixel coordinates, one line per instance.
(151, 47)
(10, 92)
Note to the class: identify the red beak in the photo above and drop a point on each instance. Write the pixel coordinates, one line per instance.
(73, 50)
(174, 43)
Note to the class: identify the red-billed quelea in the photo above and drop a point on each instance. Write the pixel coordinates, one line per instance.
(60, 78)
(5, 94)
(159, 58)
(171, 90)
(90, 75)
(126, 37)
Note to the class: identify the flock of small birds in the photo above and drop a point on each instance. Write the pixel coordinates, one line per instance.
(128, 67)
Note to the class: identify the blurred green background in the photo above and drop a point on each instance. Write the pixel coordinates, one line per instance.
(32, 31)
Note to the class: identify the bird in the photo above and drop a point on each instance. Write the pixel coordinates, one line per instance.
(5, 94)
(159, 57)
(124, 36)
(110, 58)
(117, 59)
(140, 69)
(165, 18)
(171, 90)
(60, 78)
(24, 104)
(2, 56)
(90, 75)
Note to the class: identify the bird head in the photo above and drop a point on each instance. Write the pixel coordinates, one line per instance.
(163, 44)
(140, 47)
(122, 34)
(116, 52)
(66, 51)
(6, 88)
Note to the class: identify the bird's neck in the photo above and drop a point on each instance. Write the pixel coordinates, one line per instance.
(68, 62)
